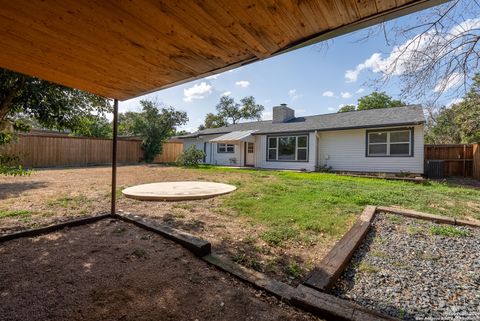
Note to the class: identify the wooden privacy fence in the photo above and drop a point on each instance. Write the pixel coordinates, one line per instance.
(171, 152)
(46, 150)
(460, 160)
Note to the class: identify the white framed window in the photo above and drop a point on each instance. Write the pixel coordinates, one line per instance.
(390, 143)
(225, 148)
(291, 148)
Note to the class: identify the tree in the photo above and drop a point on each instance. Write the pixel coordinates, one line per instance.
(230, 112)
(94, 126)
(25, 99)
(154, 125)
(378, 100)
(459, 123)
(213, 121)
(436, 52)
(347, 108)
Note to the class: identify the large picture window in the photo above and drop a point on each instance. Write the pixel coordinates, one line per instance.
(225, 148)
(287, 148)
(393, 143)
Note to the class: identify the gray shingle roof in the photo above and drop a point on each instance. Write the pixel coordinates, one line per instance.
(407, 115)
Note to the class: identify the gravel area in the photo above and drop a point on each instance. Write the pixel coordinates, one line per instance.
(416, 270)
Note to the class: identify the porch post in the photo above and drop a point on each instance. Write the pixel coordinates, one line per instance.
(114, 157)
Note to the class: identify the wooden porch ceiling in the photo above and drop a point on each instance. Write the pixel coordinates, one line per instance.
(125, 48)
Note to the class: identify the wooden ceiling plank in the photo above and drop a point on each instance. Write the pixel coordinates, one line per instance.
(226, 21)
(127, 48)
(75, 44)
(174, 36)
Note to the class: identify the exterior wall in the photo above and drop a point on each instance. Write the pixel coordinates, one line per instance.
(213, 157)
(345, 150)
(261, 155)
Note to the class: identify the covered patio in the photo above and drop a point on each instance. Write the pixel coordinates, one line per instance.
(125, 49)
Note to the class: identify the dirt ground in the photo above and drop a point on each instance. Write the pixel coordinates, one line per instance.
(112, 270)
(53, 195)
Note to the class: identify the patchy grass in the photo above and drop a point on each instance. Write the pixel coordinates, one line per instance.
(365, 267)
(294, 270)
(278, 235)
(14, 213)
(327, 203)
(75, 202)
(448, 231)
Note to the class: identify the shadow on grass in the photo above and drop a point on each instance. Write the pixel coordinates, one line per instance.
(9, 190)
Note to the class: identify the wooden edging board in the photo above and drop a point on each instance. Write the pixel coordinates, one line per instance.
(324, 276)
(427, 217)
(321, 304)
(196, 245)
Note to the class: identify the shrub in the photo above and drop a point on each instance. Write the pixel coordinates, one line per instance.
(191, 157)
(323, 169)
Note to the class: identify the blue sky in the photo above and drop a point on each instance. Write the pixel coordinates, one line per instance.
(311, 80)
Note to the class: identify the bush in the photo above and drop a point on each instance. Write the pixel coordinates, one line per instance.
(323, 169)
(191, 157)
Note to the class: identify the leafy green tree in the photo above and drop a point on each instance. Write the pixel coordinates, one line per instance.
(346, 108)
(95, 126)
(154, 125)
(24, 99)
(378, 100)
(231, 112)
(213, 121)
(460, 122)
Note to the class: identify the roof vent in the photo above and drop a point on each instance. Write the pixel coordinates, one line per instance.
(282, 114)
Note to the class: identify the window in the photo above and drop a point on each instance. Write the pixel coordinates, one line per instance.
(225, 148)
(390, 143)
(287, 148)
(250, 148)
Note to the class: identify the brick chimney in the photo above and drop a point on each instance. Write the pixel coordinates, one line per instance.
(282, 114)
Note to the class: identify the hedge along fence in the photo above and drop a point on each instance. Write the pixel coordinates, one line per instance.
(460, 160)
(52, 150)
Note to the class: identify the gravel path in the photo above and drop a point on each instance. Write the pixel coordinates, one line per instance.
(416, 270)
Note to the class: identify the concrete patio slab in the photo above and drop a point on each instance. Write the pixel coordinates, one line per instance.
(177, 191)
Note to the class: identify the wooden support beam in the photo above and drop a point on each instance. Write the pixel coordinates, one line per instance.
(114, 157)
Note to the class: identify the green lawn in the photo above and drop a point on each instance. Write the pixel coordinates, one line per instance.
(328, 203)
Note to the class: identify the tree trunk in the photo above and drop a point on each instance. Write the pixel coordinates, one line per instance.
(12, 92)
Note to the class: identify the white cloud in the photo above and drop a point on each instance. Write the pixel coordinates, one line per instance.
(331, 109)
(226, 93)
(212, 77)
(328, 93)
(360, 90)
(292, 93)
(243, 83)
(345, 94)
(300, 111)
(452, 81)
(197, 91)
(375, 63)
(396, 62)
(267, 115)
(454, 101)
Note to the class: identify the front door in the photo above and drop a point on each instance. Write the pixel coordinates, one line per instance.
(250, 155)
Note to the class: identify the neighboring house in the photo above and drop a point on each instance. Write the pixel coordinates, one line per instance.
(377, 140)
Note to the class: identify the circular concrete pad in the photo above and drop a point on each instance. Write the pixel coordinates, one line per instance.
(177, 191)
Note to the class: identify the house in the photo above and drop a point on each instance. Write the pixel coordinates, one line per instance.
(386, 140)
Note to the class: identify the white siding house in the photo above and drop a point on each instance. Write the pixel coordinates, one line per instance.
(383, 140)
